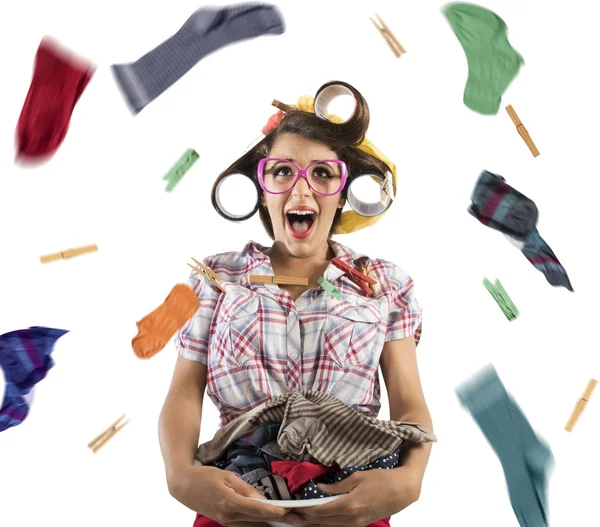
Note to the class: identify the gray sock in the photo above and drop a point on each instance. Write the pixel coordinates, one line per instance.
(208, 29)
(525, 457)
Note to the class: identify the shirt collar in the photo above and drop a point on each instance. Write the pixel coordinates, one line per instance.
(255, 253)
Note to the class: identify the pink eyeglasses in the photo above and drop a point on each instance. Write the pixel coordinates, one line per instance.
(325, 177)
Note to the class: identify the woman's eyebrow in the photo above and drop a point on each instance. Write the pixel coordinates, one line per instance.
(294, 161)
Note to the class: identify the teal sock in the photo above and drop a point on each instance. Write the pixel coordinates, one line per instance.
(525, 458)
(493, 63)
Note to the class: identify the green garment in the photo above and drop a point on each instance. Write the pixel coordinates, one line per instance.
(493, 63)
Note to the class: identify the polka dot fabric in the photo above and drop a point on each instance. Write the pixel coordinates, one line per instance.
(311, 491)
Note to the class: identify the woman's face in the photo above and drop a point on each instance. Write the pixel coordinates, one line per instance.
(303, 235)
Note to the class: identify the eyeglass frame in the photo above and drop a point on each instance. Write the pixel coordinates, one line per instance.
(302, 172)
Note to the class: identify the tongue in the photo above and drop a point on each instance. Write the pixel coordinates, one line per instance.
(301, 226)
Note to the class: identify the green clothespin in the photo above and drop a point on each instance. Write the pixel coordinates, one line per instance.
(179, 169)
(501, 297)
(330, 288)
(506, 299)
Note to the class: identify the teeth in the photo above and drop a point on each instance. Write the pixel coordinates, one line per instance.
(300, 212)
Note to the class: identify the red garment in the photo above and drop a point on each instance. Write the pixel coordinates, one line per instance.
(273, 122)
(203, 521)
(59, 79)
(297, 474)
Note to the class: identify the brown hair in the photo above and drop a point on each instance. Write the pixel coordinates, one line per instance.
(341, 139)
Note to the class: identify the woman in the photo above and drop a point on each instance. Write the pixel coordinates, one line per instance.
(260, 340)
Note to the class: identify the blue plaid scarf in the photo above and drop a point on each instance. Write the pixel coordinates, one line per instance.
(501, 207)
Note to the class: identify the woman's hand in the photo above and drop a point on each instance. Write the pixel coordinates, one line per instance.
(224, 497)
(372, 495)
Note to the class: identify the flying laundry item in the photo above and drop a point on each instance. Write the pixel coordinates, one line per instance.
(205, 31)
(499, 206)
(59, 80)
(492, 61)
(524, 456)
(25, 357)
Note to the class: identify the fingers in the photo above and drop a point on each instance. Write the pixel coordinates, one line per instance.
(255, 509)
(293, 518)
(247, 510)
(330, 521)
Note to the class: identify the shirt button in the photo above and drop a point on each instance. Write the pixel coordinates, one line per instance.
(294, 355)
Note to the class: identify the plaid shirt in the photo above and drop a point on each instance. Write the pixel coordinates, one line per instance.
(257, 343)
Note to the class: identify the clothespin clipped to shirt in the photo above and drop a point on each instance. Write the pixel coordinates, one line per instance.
(501, 297)
(522, 131)
(330, 288)
(367, 273)
(389, 37)
(179, 169)
(581, 405)
(99, 441)
(362, 280)
(278, 279)
(207, 274)
(68, 253)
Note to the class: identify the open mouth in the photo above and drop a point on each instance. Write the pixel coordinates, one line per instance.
(301, 222)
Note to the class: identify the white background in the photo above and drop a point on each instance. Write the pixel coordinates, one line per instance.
(105, 186)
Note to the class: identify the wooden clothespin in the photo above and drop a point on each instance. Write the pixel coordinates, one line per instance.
(183, 164)
(278, 279)
(207, 274)
(581, 405)
(357, 277)
(389, 37)
(99, 441)
(283, 107)
(366, 271)
(68, 253)
(522, 131)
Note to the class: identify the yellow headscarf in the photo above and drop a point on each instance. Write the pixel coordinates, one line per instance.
(351, 221)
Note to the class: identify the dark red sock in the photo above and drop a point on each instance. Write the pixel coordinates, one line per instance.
(59, 78)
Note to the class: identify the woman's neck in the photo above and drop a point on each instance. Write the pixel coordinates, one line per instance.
(298, 266)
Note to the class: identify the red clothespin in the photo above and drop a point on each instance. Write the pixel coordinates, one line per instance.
(357, 277)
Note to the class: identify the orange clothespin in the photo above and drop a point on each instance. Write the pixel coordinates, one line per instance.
(364, 281)
(581, 405)
(522, 131)
(99, 441)
(278, 279)
(389, 37)
(207, 274)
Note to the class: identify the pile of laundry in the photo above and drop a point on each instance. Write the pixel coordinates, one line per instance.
(287, 445)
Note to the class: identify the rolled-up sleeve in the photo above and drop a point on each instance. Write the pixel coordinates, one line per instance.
(405, 312)
(192, 339)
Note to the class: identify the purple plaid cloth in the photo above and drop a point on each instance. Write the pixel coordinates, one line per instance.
(25, 357)
(499, 206)
(25, 354)
(14, 409)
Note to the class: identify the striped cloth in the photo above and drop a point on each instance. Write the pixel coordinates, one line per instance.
(204, 32)
(320, 425)
(273, 487)
(499, 206)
